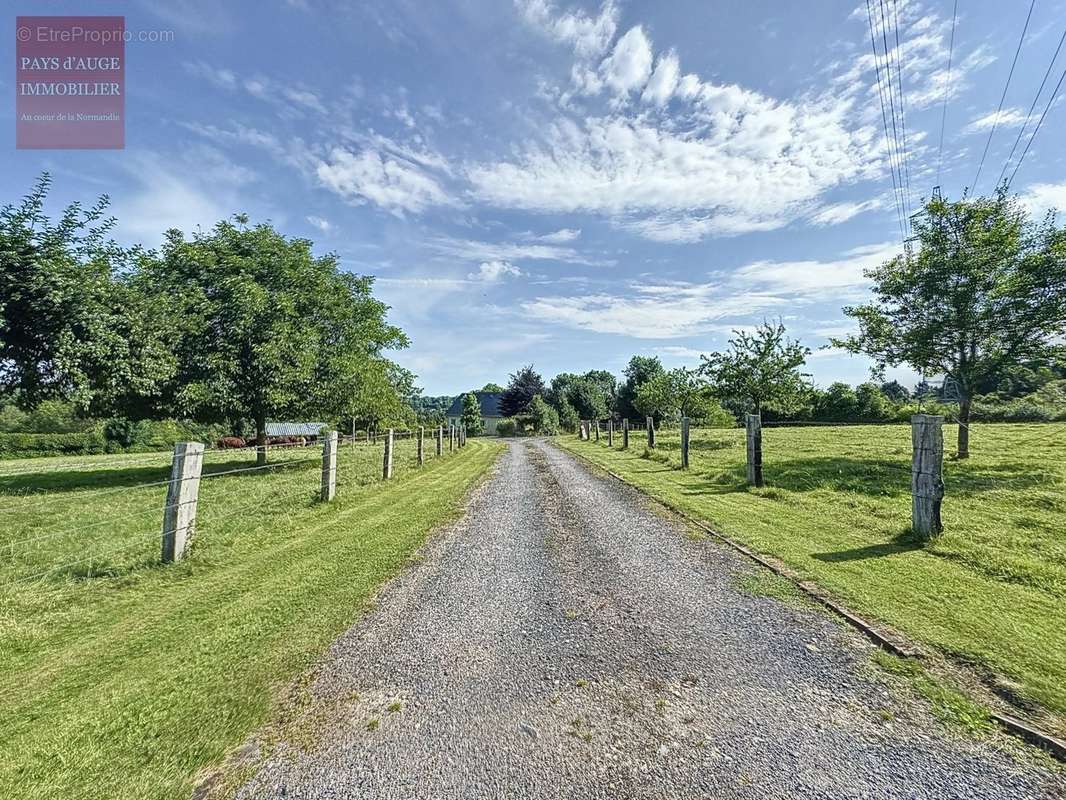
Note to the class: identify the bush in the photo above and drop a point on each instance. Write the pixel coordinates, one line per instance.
(27, 445)
(506, 427)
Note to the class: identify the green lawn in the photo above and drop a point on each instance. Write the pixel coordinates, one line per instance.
(123, 677)
(991, 591)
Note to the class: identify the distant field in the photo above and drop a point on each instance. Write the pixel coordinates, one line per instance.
(991, 591)
(123, 677)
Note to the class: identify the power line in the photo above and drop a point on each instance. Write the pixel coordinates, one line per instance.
(1029, 114)
(1036, 130)
(947, 84)
(1003, 97)
(901, 139)
(896, 189)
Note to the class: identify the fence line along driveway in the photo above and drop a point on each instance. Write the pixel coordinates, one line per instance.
(564, 640)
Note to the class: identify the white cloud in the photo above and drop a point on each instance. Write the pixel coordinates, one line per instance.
(663, 81)
(1040, 198)
(493, 271)
(841, 278)
(290, 99)
(588, 36)
(471, 250)
(320, 222)
(628, 67)
(836, 213)
(1007, 118)
(561, 235)
(395, 184)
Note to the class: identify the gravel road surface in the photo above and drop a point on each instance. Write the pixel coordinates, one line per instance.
(565, 640)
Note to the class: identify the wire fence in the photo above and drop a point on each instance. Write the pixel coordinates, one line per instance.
(67, 521)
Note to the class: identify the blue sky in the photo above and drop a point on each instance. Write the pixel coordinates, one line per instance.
(563, 183)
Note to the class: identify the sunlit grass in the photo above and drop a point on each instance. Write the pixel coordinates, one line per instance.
(123, 677)
(990, 591)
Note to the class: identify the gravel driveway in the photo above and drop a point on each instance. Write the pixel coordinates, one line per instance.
(563, 640)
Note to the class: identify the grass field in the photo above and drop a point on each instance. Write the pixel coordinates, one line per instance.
(123, 677)
(990, 592)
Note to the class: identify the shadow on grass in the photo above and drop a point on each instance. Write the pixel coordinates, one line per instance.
(115, 477)
(905, 542)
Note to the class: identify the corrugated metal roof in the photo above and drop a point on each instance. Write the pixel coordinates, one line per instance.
(490, 404)
(294, 428)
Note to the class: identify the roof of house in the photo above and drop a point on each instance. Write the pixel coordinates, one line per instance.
(490, 404)
(294, 428)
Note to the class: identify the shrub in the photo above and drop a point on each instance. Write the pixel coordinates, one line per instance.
(506, 427)
(25, 445)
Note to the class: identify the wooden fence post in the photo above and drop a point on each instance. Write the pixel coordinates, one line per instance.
(386, 465)
(625, 434)
(421, 445)
(329, 466)
(597, 424)
(179, 513)
(927, 474)
(610, 432)
(684, 443)
(440, 441)
(651, 433)
(753, 423)
(451, 437)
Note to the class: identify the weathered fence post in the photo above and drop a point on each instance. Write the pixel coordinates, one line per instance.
(451, 437)
(684, 443)
(753, 423)
(625, 434)
(421, 445)
(386, 464)
(927, 474)
(581, 429)
(440, 441)
(597, 424)
(329, 466)
(651, 433)
(610, 432)
(179, 513)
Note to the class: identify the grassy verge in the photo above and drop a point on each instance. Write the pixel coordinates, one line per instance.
(991, 592)
(122, 678)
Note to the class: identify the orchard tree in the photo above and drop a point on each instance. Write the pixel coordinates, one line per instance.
(986, 290)
(72, 325)
(678, 392)
(471, 417)
(523, 387)
(265, 329)
(759, 370)
(638, 371)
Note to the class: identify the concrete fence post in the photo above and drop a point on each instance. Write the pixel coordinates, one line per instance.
(421, 445)
(597, 424)
(651, 433)
(684, 443)
(625, 434)
(329, 466)
(179, 513)
(440, 441)
(753, 423)
(386, 464)
(451, 437)
(610, 432)
(927, 474)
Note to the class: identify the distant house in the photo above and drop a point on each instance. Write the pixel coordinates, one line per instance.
(308, 430)
(490, 410)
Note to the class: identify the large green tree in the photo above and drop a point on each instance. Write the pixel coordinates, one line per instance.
(639, 370)
(471, 416)
(522, 388)
(677, 392)
(984, 290)
(72, 324)
(264, 328)
(760, 369)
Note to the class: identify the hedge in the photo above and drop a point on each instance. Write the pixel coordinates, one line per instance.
(24, 445)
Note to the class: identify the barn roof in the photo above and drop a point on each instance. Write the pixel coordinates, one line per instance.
(490, 404)
(294, 428)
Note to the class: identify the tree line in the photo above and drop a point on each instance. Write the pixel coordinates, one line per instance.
(236, 325)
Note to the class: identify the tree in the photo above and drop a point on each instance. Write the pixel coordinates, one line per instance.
(587, 398)
(678, 392)
(542, 417)
(985, 290)
(72, 327)
(523, 387)
(568, 418)
(896, 392)
(471, 417)
(491, 387)
(760, 369)
(608, 386)
(871, 403)
(838, 403)
(265, 329)
(639, 370)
